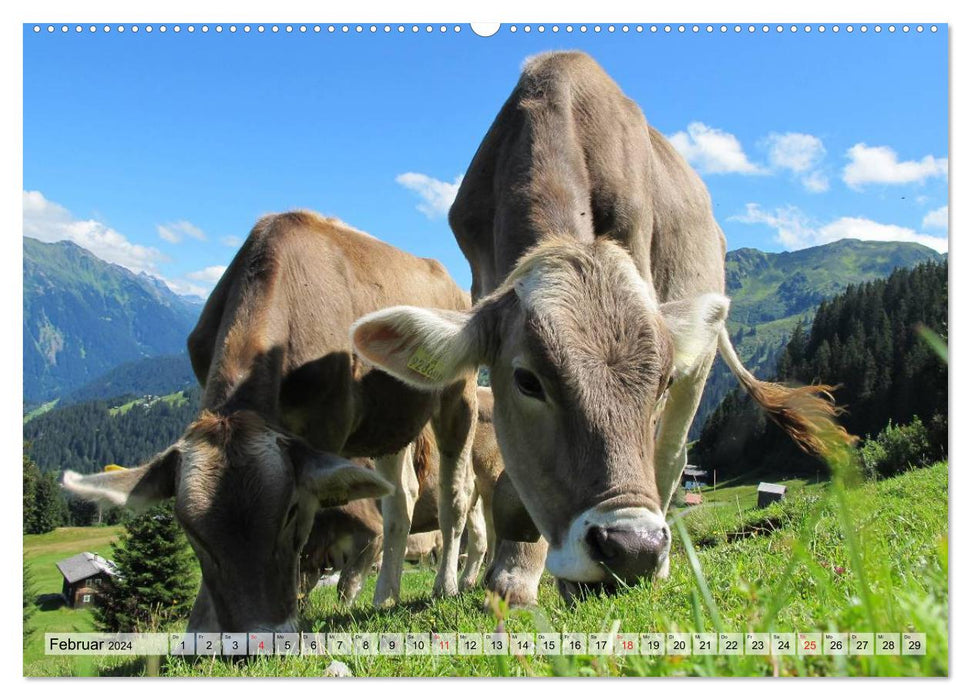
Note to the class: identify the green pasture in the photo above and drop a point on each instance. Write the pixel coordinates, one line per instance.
(866, 558)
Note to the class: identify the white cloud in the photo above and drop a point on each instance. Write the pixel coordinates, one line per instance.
(713, 151)
(880, 165)
(800, 154)
(936, 219)
(231, 241)
(794, 151)
(437, 196)
(209, 274)
(795, 230)
(50, 222)
(174, 232)
(184, 287)
(815, 182)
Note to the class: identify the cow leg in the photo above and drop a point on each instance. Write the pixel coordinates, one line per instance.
(454, 426)
(477, 544)
(355, 570)
(490, 527)
(515, 571)
(203, 615)
(670, 444)
(397, 509)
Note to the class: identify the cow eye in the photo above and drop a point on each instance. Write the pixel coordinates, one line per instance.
(528, 384)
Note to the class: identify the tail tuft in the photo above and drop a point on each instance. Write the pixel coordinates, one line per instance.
(807, 413)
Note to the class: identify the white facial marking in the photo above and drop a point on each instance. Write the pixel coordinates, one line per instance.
(572, 560)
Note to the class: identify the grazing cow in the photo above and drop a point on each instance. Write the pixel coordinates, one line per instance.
(486, 465)
(598, 275)
(345, 539)
(284, 395)
(349, 538)
(424, 547)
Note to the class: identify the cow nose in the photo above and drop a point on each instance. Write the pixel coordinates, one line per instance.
(629, 553)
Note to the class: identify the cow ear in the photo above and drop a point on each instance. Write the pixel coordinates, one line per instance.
(137, 488)
(512, 521)
(425, 348)
(694, 325)
(333, 480)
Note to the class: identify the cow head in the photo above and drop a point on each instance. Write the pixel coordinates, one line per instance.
(246, 496)
(581, 356)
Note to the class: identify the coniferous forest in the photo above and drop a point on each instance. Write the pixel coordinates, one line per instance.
(866, 342)
(87, 436)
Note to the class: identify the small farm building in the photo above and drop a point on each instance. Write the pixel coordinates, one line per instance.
(83, 575)
(770, 493)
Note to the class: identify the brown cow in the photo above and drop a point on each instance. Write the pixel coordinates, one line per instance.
(348, 538)
(598, 271)
(284, 396)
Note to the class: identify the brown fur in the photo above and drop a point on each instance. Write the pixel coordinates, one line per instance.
(284, 404)
(344, 537)
(569, 164)
(806, 413)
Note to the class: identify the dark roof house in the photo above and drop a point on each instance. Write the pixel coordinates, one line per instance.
(83, 573)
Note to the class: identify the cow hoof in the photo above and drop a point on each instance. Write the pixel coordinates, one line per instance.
(515, 593)
(385, 600)
(664, 570)
(446, 590)
(468, 583)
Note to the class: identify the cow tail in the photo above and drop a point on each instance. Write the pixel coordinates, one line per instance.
(807, 413)
(424, 452)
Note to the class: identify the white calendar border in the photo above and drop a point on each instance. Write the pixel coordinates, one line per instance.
(507, 10)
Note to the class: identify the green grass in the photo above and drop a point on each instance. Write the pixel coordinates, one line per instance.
(175, 400)
(43, 552)
(40, 410)
(869, 559)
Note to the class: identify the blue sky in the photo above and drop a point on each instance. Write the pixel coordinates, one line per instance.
(159, 151)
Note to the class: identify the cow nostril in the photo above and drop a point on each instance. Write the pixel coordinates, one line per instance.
(629, 553)
(602, 548)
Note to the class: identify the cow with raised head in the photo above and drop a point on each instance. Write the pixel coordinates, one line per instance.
(286, 402)
(598, 276)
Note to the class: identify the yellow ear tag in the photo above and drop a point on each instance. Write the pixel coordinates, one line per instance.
(115, 468)
(426, 364)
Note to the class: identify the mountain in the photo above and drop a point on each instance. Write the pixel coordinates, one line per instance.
(84, 316)
(772, 292)
(150, 376)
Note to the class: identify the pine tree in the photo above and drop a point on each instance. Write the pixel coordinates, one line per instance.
(44, 505)
(29, 595)
(864, 341)
(156, 581)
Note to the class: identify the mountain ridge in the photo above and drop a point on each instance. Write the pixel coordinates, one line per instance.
(84, 316)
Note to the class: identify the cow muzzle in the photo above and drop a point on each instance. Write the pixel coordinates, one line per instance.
(626, 544)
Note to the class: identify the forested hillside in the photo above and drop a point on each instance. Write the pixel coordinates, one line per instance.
(864, 340)
(87, 436)
(153, 375)
(772, 292)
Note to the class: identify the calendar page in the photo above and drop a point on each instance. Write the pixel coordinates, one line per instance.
(522, 349)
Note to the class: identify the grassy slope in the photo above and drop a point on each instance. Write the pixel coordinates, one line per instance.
(804, 572)
(177, 398)
(43, 552)
(40, 410)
